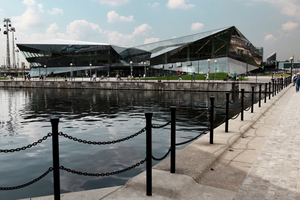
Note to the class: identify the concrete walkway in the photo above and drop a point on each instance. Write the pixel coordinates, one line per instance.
(258, 158)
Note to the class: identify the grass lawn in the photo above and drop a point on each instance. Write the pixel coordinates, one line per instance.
(212, 76)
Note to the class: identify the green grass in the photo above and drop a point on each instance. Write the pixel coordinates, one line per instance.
(212, 76)
(278, 75)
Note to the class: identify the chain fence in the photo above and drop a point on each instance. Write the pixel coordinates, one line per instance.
(26, 147)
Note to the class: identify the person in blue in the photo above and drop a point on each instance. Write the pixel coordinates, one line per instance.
(193, 77)
(297, 82)
(234, 76)
(179, 77)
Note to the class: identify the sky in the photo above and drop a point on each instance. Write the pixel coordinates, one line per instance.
(271, 24)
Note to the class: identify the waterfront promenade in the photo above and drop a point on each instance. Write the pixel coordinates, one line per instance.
(257, 159)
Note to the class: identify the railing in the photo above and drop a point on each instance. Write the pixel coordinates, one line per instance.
(277, 87)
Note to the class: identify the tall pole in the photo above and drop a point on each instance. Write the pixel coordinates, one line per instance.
(6, 21)
(13, 46)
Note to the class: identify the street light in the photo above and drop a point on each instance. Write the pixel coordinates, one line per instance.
(90, 71)
(145, 71)
(46, 72)
(131, 68)
(292, 59)
(208, 70)
(71, 72)
(215, 68)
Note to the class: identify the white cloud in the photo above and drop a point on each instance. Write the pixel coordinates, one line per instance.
(115, 37)
(155, 4)
(288, 7)
(289, 26)
(83, 30)
(56, 11)
(196, 26)
(270, 38)
(179, 4)
(151, 40)
(142, 29)
(113, 2)
(112, 16)
(32, 17)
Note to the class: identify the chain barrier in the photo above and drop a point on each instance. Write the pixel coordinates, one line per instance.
(102, 174)
(188, 141)
(221, 106)
(235, 116)
(221, 122)
(29, 183)
(161, 126)
(101, 143)
(159, 159)
(247, 109)
(26, 147)
(248, 96)
(187, 120)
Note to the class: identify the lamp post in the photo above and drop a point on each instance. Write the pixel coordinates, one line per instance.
(46, 72)
(208, 70)
(131, 68)
(90, 71)
(215, 68)
(145, 70)
(292, 59)
(71, 71)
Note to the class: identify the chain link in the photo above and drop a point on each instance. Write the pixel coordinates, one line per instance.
(101, 143)
(161, 126)
(29, 183)
(234, 117)
(159, 159)
(202, 133)
(186, 120)
(102, 174)
(26, 147)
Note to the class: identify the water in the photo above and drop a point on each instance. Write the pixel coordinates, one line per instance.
(92, 115)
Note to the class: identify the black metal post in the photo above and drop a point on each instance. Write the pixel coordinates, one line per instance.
(266, 88)
(273, 88)
(259, 96)
(269, 90)
(211, 128)
(55, 154)
(149, 153)
(173, 139)
(227, 112)
(242, 104)
(252, 99)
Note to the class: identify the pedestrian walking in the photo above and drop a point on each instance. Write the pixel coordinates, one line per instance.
(297, 82)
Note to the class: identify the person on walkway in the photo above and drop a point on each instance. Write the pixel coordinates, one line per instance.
(294, 79)
(297, 82)
(193, 77)
(234, 76)
(179, 77)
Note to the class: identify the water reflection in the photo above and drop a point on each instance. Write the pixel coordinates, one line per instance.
(94, 115)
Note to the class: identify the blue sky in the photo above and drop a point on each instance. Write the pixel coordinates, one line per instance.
(272, 24)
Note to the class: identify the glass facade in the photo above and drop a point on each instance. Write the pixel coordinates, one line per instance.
(227, 46)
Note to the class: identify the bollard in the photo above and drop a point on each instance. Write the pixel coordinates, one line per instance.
(273, 87)
(252, 99)
(269, 90)
(259, 95)
(149, 153)
(266, 88)
(242, 104)
(211, 128)
(227, 112)
(55, 154)
(173, 139)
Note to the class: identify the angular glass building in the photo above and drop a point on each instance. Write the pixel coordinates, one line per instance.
(221, 50)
